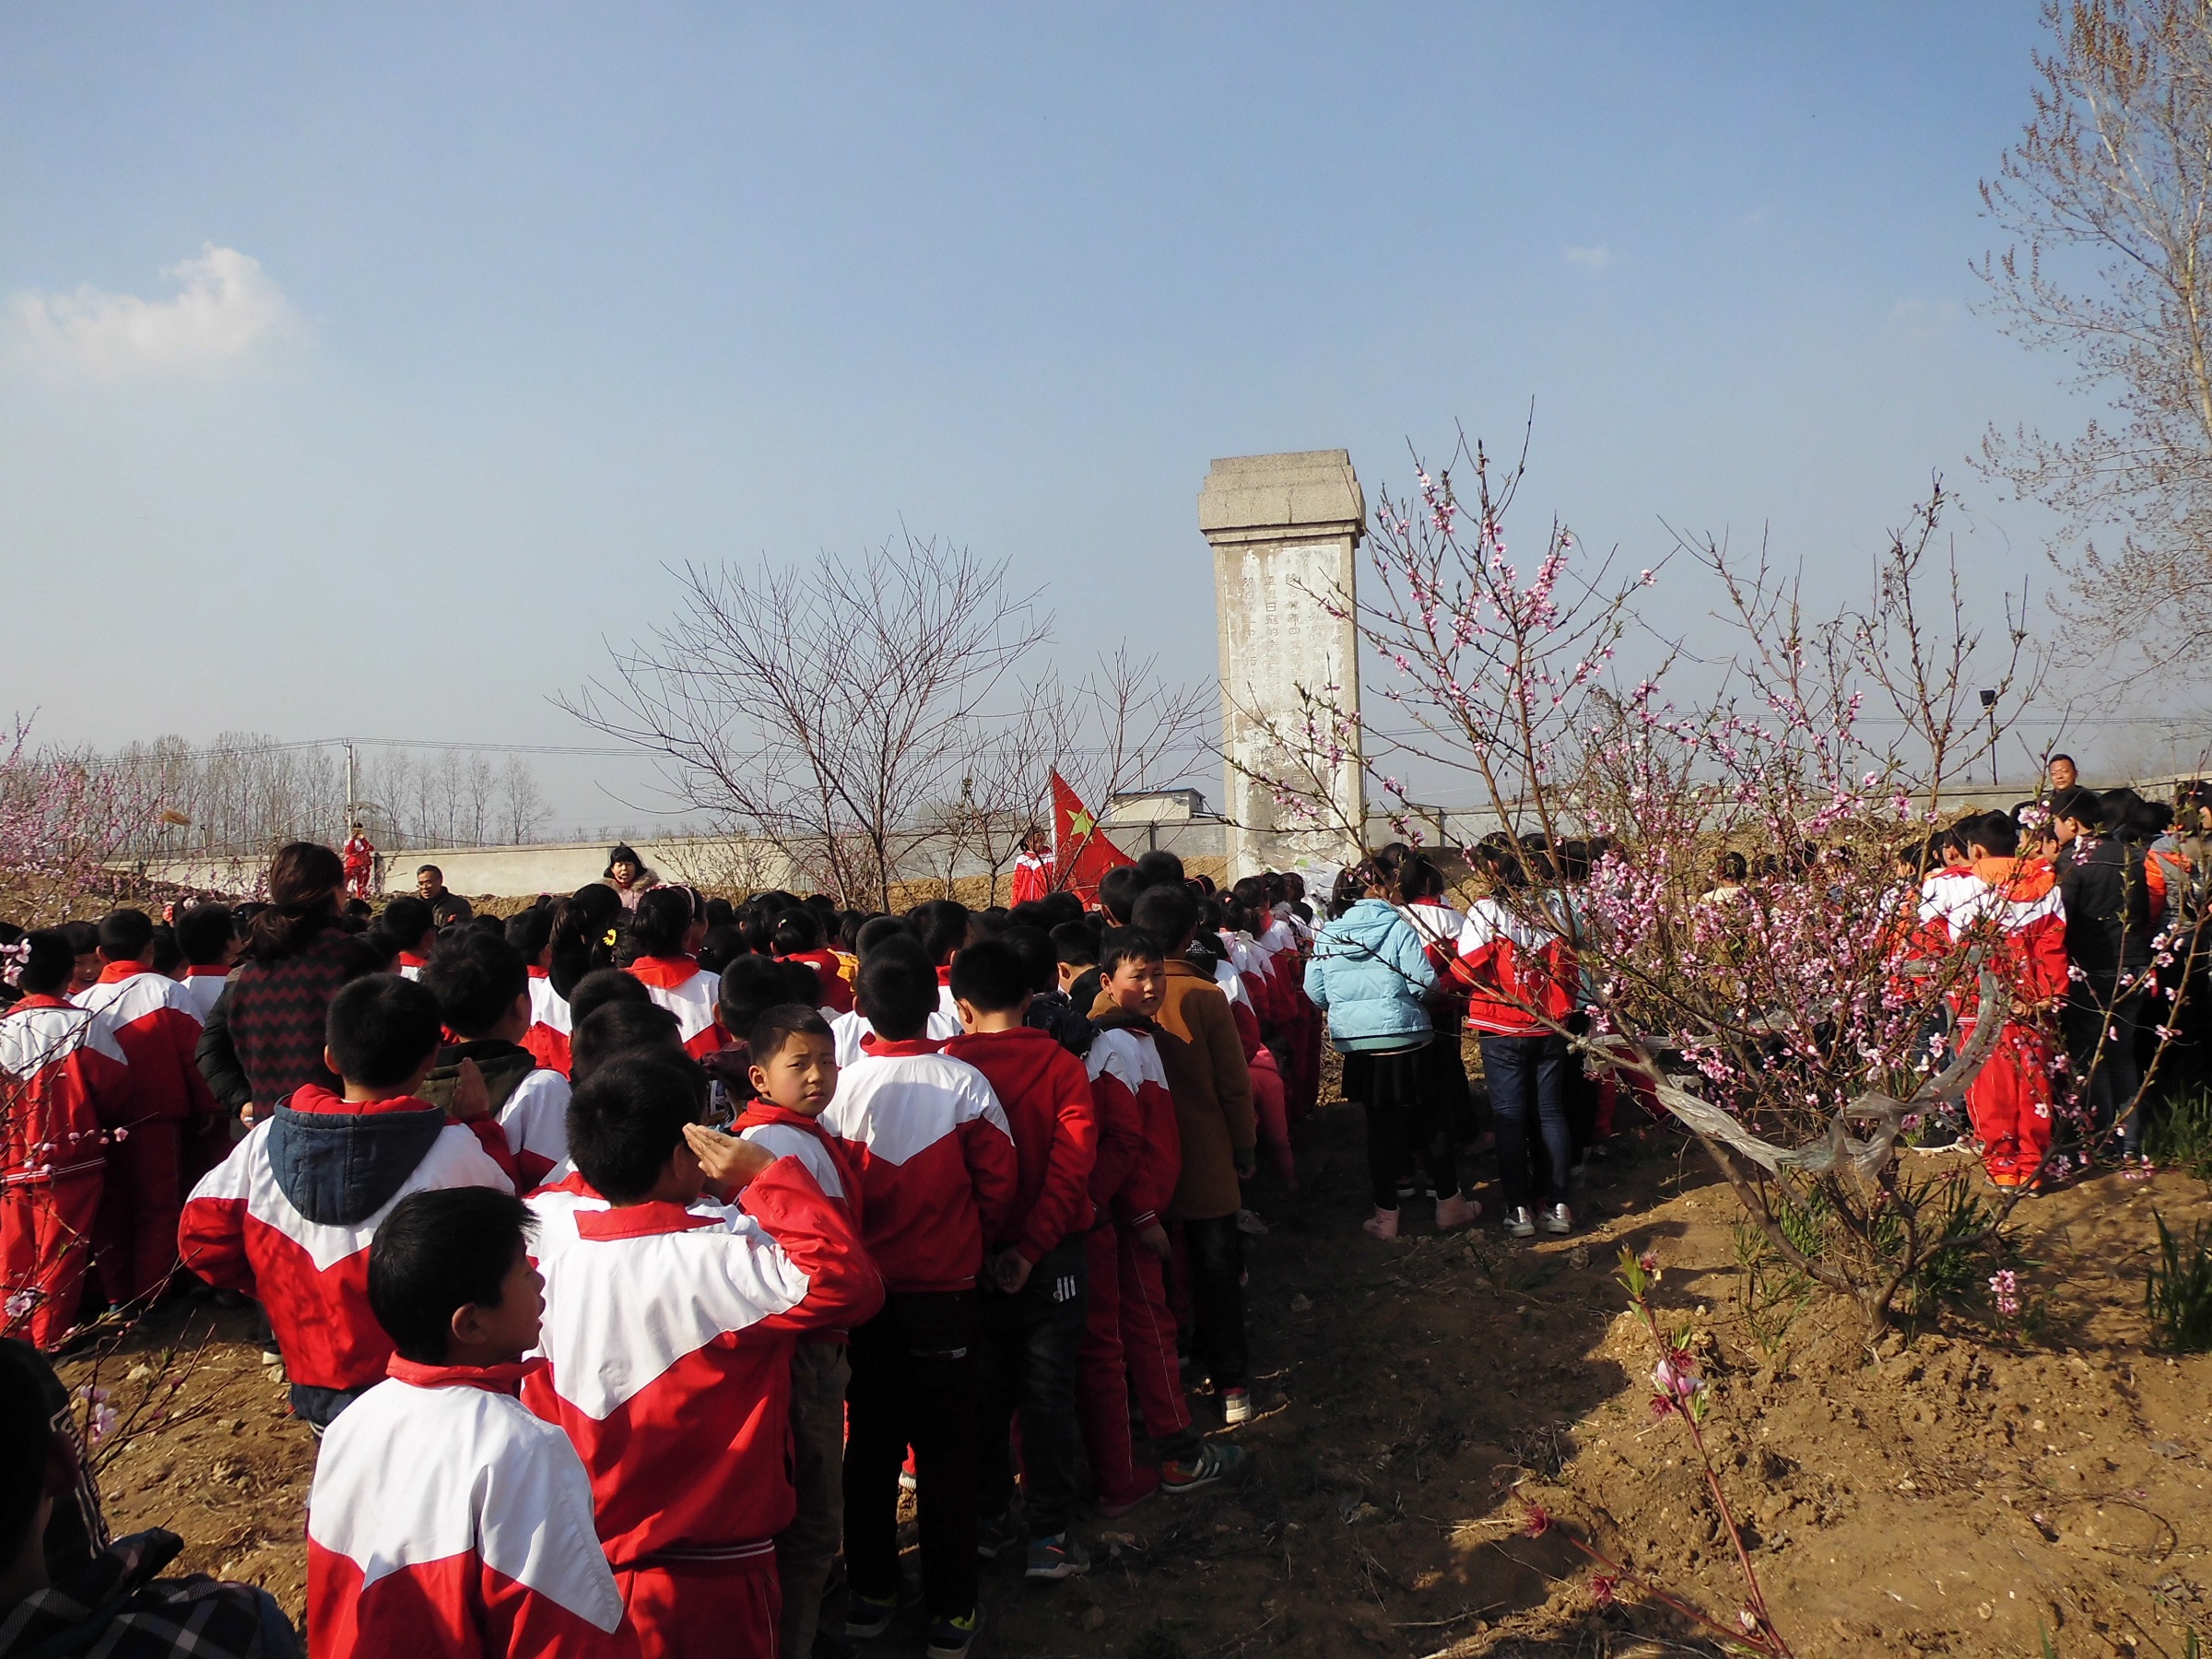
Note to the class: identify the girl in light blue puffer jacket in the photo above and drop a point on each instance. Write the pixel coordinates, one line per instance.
(1368, 972)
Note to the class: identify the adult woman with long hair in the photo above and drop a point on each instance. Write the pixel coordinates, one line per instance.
(264, 1036)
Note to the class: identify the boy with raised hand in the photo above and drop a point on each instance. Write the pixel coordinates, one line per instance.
(1203, 1058)
(670, 1324)
(174, 1127)
(289, 1217)
(939, 1175)
(1029, 1308)
(793, 1078)
(482, 984)
(484, 1544)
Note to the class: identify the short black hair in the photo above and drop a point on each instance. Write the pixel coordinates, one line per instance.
(754, 984)
(897, 991)
(2054, 759)
(1118, 889)
(766, 1037)
(406, 919)
(2082, 805)
(942, 926)
(204, 933)
(429, 870)
(437, 1253)
(1168, 913)
(601, 986)
(1731, 866)
(1159, 866)
(84, 939)
(991, 975)
(628, 1117)
(874, 931)
(1994, 831)
(1034, 946)
(1127, 945)
(168, 958)
(381, 1029)
(618, 1028)
(659, 922)
(1076, 945)
(477, 979)
(125, 935)
(53, 959)
(531, 931)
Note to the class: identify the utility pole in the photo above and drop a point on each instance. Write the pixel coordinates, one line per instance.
(1989, 707)
(352, 802)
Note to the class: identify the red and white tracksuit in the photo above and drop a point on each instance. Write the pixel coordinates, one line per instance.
(535, 1120)
(669, 1334)
(1044, 1093)
(851, 1031)
(203, 987)
(938, 1170)
(688, 990)
(2012, 907)
(1517, 974)
(1129, 1336)
(485, 1549)
(242, 1231)
(830, 971)
(1303, 1021)
(550, 1023)
(166, 1139)
(63, 1080)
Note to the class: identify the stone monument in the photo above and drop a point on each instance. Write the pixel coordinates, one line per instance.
(1284, 530)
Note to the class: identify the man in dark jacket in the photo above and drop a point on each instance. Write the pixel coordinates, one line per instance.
(2101, 881)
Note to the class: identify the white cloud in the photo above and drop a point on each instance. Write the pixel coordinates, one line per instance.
(226, 313)
(1594, 256)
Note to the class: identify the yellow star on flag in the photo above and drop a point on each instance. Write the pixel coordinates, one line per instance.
(1081, 823)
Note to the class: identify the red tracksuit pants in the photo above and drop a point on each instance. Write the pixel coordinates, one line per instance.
(707, 1609)
(138, 1210)
(1128, 1348)
(45, 1246)
(2009, 1103)
(1268, 1104)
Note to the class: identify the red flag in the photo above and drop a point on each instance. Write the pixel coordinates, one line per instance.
(1080, 851)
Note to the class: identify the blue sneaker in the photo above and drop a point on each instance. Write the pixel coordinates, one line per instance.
(866, 1618)
(1060, 1555)
(951, 1637)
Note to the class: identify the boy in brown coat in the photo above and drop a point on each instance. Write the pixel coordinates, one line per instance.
(1205, 1062)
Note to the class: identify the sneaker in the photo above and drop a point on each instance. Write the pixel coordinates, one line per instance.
(1187, 1475)
(1519, 1223)
(995, 1535)
(866, 1618)
(952, 1638)
(1251, 1224)
(1236, 1406)
(1058, 1557)
(1383, 1223)
(1557, 1218)
(1459, 1211)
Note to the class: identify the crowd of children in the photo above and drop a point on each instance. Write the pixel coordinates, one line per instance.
(665, 1240)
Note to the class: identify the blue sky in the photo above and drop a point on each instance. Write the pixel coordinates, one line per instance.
(541, 298)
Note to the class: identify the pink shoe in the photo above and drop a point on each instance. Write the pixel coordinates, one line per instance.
(1383, 1223)
(1459, 1211)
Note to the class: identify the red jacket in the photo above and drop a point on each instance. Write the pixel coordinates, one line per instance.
(152, 1022)
(1130, 1088)
(669, 1333)
(486, 1547)
(789, 1134)
(286, 1218)
(938, 1166)
(1517, 975)
(1045, 1094)
(548, 1038)
(688, 990)
(63, 1080)
(2014, 906)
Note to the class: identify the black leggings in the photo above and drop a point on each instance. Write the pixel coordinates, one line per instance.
(1405, 1123)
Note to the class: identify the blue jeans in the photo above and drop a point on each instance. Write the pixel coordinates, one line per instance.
(1528, 1082)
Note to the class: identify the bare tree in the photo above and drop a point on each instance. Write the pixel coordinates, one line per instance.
(819, 707)
(2109, 190)
(522, 803)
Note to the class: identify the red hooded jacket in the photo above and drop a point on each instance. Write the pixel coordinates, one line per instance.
(1045, 1094)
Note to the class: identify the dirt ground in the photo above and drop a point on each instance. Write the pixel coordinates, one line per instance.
(1944, 1493)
